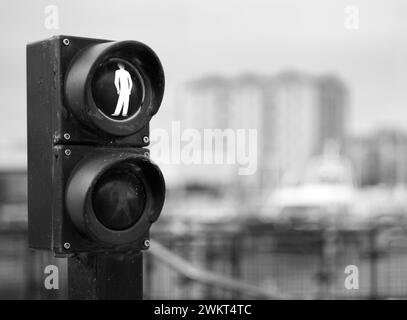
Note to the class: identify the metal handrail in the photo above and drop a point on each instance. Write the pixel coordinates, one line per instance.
(194, 273)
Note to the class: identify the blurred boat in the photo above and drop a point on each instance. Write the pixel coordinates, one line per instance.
(323, 192)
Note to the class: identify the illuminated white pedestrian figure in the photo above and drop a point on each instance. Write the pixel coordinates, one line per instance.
(123, 83)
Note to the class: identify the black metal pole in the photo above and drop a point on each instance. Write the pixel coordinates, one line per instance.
(105, 276)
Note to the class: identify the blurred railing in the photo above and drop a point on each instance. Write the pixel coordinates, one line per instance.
(282, 262)
(210, 279)
(245, 261)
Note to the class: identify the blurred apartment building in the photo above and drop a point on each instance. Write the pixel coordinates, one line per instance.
(380, 158)
(13, 184)
(295, 114)
(333, 109)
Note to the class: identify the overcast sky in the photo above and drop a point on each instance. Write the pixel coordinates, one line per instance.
(195, 38)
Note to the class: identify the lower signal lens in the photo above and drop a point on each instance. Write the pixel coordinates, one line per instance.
(119, 198)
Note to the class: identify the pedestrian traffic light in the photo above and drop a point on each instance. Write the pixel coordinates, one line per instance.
(91, 184)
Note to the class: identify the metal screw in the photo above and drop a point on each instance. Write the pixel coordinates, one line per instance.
(67, 136)
(146, 139)
(147, 243)
(67, 245)
(66, 42)
(68, 152)
(147, 154)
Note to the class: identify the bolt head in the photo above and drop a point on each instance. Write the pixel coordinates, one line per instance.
(147, 243)
(146, 139)
(67, 136)
(66, 42)
(67, 245)
(68, 152)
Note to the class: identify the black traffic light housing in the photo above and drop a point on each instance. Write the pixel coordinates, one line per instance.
(91, 184)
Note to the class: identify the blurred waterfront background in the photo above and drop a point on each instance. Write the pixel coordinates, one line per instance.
(328, 103)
